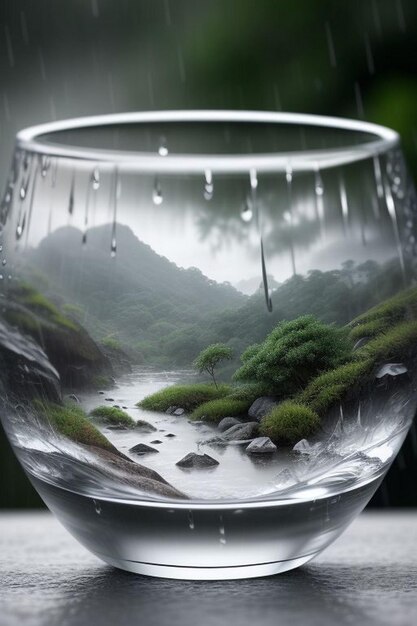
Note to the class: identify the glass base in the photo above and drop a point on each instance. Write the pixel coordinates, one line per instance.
(233, 572)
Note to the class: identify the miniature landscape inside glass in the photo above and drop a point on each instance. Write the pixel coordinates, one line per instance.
(139, 356)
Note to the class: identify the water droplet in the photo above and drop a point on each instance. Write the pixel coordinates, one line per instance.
(21, 226)
(97, 507)
(319, 194)
(24, 189)
(117, 191)
(246, 213)
(222, 530)
(267, 291)
(1, 248)
(288, 174)
(253, 177)
(208, 185)
(4, 262)
(71, 196)
(84, 238)
(378, 177)
(163, 148)
(45, 164)
(95, 179)
(191, 524)
(157, 196)
(1, 276)
(344, 205)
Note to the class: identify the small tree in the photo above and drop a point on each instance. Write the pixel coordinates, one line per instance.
(210, 357)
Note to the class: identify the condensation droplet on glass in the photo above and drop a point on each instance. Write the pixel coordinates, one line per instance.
(246, 213)
(253, 177)
(157, 196)
(4, 262)
(97, 507)
(45, 164)
(191, 524)
(208, 185)
(113, 248)
(71, 197)
(95, 179)
(84, 238)
(163, 148)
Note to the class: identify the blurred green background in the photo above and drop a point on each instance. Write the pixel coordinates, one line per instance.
(67, 58)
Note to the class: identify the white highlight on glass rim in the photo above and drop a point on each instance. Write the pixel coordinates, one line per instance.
(30, 139)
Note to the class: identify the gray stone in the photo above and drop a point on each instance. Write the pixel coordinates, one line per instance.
(117, 427)
(241, 432)
(171, 409)
(109, 399)
(142, 448)
(178, 412)
(156, 441)
(197, 461)
(145, 426)
(261, 445)
(303, 447)
(391, 369)
(227, 422)
(170, 435)
(261, 407)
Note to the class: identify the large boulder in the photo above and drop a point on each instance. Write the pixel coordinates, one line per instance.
(227, 422)
(391, 370)
(241, 432)
(261, 407)
(261, 445)
(142, 448)
(197, 461)
(144, 426)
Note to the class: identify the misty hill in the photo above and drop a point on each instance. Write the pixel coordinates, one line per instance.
(138, 296)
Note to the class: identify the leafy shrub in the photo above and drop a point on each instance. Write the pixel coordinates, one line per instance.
(289, 422)
(72, 422)
(216, 410)
(331, 386)
(292, 354)
(111, 342)
(188, 397)
(112, 415)
(248, 392)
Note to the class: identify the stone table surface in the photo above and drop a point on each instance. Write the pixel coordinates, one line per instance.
(369, 576)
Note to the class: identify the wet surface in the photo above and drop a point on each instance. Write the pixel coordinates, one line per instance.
(368, 577)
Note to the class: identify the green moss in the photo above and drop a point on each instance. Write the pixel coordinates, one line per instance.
(102, 382)
(216, 410)
(112, 415)
(189, 397)
(38, 303)
(331, 386)
(402, 306)
(369, 329)
(72, 422)
(111, 342)
(391, 344)
(289, 422)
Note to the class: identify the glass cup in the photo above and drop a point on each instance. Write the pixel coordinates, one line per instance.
(208, 332)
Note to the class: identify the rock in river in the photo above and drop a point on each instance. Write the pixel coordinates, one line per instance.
(142, 448)
(227, 422)
(145, 426)
(178, 412)
(391, 369)
(261, 445)
(241, 432)
(197, 461)
(261, 407)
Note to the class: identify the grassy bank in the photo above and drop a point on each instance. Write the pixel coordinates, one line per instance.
(112, 415)
(188, 397)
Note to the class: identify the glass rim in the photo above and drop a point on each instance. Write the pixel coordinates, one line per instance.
(29, 139)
